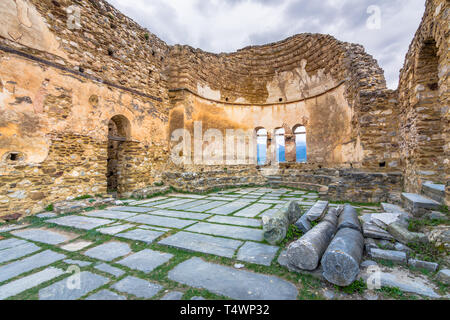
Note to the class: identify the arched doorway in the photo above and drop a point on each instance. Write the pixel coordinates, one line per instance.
(261, 142)
(300, 144)
(118, 133)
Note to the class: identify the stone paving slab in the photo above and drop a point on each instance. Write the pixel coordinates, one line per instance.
(191, 196)
(131, 209)
(141, 202)
(161, 221)
(138, 287)
(109, 251)
(9, 228)
(269, 201)
(221, 198)
(245, 222)
(154, 228)
(63, 290)
(147, 236)
(116, 272)
(76, 246)
(146, 260)
(174, 295)
(257, 253)
(229, 282)
(23, 284)
(47, 215)
(182, 215)
(228, 208)
(116, 229)
(45, 235)
(174, 203)
(208, 206)
(17, 252)
(227, 231)
(78, 262)
(36, 261)
(151, 204)
(202, 243)
(111, 214)
(189, 205)
(253, 210)
(80, 222)
(105, 295)
(11, 243)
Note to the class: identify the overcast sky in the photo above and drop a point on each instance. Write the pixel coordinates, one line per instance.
(228, 25)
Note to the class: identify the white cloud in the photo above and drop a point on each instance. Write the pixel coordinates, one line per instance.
(228, 25)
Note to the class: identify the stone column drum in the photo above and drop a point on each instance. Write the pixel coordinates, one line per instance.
(276, 227)
(342, 259)
(306, 252)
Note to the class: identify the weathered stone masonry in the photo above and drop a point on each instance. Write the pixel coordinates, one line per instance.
(61, 86)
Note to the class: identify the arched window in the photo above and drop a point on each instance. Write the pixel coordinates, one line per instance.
(300, 144)
(280, 145)
(261, 141)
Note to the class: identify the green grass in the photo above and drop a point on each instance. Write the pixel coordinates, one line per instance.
(84, 197)
(358, 286)
(50, 208)
(292, 234)
(416, 225)
(394, 293)
(427, 252)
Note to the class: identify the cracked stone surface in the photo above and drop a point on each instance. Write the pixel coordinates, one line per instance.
(236, 284)
(68, 289)
(109, 251)
(138, 287)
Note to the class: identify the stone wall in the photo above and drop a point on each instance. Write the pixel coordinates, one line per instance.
(63, 81)
(59, 89)
(424, 101)
(307, 80)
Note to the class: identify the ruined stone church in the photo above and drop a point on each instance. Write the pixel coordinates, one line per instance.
(91, 103)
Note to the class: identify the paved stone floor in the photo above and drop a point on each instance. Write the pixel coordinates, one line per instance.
(177, 246)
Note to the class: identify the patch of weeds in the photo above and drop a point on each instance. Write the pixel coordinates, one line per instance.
(86, 196)
(358, 286)
(292, 234)
(416, 225)
(427, 251)
(386, 263)
(102, 207)
(442, 288)
(394, 293)
(201, 293)
(89, 209)
(50, 208)
(147, 36)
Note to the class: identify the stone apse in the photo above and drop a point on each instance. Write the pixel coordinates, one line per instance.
(100, 105)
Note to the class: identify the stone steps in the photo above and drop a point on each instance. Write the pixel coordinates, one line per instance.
(434, 191)
(419, 205)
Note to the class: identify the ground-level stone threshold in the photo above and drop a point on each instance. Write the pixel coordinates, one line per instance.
(181, 246)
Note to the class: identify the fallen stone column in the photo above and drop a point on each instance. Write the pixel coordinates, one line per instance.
(349, 219)
(276, 227)
(313, 214)
(306, 252)
(342, 259)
